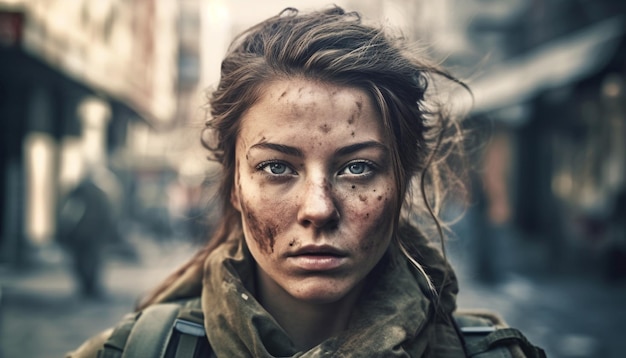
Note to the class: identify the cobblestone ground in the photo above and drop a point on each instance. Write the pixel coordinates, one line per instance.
(42, 317)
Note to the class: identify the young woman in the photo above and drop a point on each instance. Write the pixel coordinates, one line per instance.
(324, 131)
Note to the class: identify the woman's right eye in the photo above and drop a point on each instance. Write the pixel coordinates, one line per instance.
(276, 168)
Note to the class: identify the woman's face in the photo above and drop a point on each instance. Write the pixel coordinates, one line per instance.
(315, 189)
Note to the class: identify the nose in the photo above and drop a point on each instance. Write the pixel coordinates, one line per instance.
(318, 207)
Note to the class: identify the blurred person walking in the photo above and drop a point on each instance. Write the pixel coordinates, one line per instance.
(86, 225)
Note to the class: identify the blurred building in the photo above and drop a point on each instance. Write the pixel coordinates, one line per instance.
(550, 76)
(121, 84)
(74, 77)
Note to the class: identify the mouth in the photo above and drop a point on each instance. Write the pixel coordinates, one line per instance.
(318, 259)
(322, 251)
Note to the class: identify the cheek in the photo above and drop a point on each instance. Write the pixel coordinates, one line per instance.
(371, 212)
(264, 224)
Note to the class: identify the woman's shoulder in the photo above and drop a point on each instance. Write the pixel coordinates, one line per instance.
(90, 348)
(153, 322)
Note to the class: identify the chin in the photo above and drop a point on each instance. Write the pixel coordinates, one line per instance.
(322, 293)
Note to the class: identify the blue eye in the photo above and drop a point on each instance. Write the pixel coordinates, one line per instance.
(276, 168)
(357, 168)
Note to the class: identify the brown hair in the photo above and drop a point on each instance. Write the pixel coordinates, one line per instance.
(337, 47)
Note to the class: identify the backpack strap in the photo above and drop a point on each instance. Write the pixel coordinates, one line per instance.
(502, 338)
(114, 346)
(484, 340)
(161, 330)
(151, 333)
(189, 338)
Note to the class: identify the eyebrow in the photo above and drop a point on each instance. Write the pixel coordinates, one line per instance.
(359, 146)
(349, 149)
(285, 149)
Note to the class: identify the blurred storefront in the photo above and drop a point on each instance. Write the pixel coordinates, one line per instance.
(557, 91)
(74, 77)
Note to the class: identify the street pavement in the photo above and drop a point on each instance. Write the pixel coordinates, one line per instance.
(41, 316)
(567, 316)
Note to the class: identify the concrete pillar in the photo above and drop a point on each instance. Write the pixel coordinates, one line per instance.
(40, 166)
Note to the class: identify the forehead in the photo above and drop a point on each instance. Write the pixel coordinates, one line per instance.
(308, 107)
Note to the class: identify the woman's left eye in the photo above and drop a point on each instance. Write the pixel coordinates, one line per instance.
(356, 168)
(276, 168)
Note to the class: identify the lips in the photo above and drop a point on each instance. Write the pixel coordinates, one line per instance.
(318, 258)
(321, 250)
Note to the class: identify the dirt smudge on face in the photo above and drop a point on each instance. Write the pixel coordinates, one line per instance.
(379, 220)
(352, 118)
(264, 233)
(357, 113)
(325, 128)
(328, 186)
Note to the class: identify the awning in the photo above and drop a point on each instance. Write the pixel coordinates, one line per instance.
(552, 65)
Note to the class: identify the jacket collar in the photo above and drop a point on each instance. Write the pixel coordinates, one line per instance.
(390, 319)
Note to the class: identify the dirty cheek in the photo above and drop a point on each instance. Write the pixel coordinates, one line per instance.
(262, 231)
(266, 222)
(375, 215)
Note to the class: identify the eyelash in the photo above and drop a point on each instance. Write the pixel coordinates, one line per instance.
(370, 169)
(266, 165)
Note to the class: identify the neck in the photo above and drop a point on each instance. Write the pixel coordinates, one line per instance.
(308, 324)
